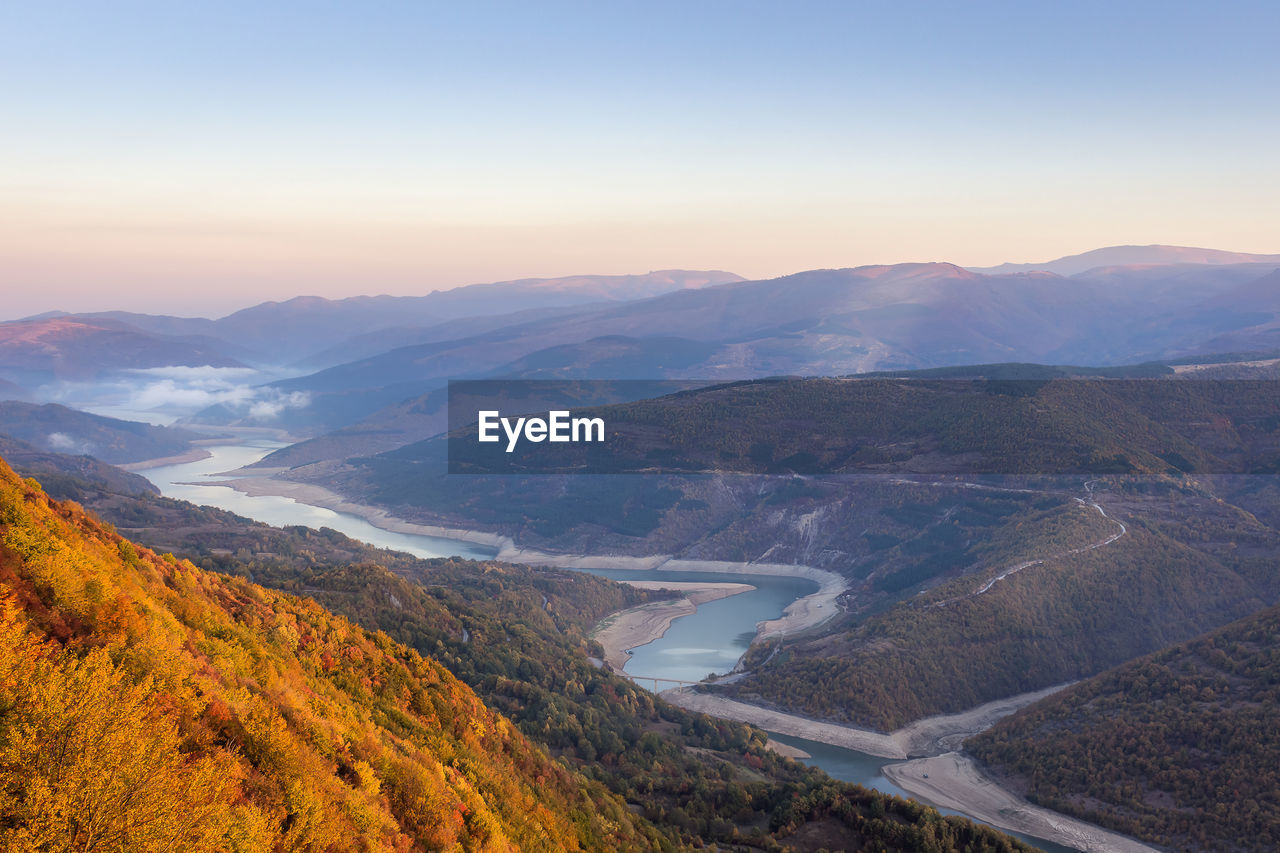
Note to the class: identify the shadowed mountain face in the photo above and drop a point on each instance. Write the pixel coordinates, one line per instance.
(1137, 729)
(35, 352)
(71, 476)
(56, 428)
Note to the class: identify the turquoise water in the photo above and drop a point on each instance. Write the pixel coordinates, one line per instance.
(851, 766)
(715, 637)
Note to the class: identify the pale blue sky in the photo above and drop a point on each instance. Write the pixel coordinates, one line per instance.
(195, 158)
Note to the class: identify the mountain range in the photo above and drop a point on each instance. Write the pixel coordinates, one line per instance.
(59, 429)
(996, 526)
(45, 350)
(831, 322)
(352, 357)
(305, 326)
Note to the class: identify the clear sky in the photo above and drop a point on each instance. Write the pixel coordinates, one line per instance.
(194, 158)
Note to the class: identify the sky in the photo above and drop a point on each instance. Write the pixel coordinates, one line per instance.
(196, 158)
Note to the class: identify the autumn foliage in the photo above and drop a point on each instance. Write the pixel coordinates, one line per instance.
(148, 705)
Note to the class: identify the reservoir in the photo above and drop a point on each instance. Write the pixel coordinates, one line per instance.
(712, 640)
(694, 646)
(850, 765)
(193, 481)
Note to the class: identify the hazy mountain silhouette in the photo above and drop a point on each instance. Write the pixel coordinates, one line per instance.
(833, 322)
(1129, 256)
(284, 332)
(34, 352)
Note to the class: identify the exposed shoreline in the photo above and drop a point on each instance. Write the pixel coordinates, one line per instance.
(954, 781)
(786, 749)
(802, 614)
(195, 454)
(944, 778)
(308, 493)
(927, 736)
(629, 629)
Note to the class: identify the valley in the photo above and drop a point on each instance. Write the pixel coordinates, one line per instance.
(466, 630)
(926, 568)
(652, 667)
(804, 427)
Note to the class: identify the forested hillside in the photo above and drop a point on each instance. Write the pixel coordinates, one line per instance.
(305, 732)
(919, 425)
(1051, 596)
(151, 705)
(819, 428)
(56, 428)
(67, 473)
(1026, 581)
(1181, 748)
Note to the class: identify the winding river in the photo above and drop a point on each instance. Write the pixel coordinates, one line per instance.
(196, 482)
(711, 640)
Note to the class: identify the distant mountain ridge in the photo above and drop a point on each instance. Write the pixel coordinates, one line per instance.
(1154, 255)
(1129, 304)
(36, 352)
(836, 322)
(56, 428)
(288, 330)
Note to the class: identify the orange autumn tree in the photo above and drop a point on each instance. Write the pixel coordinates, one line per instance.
(147, 705)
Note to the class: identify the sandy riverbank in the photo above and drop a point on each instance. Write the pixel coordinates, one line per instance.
(319, 496)
(787, 749)
(802, 614)
(948, 779)
(195, 454)
(641, 625)
(954, 781)
(931, 735)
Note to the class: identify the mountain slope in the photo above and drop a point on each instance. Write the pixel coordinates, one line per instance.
(35, 352)
(69, 475)
(207, 713)
(1180, 748)
(57, 428)
(515, 633)
(834, 322)
(369, 344)
(1071, 611)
